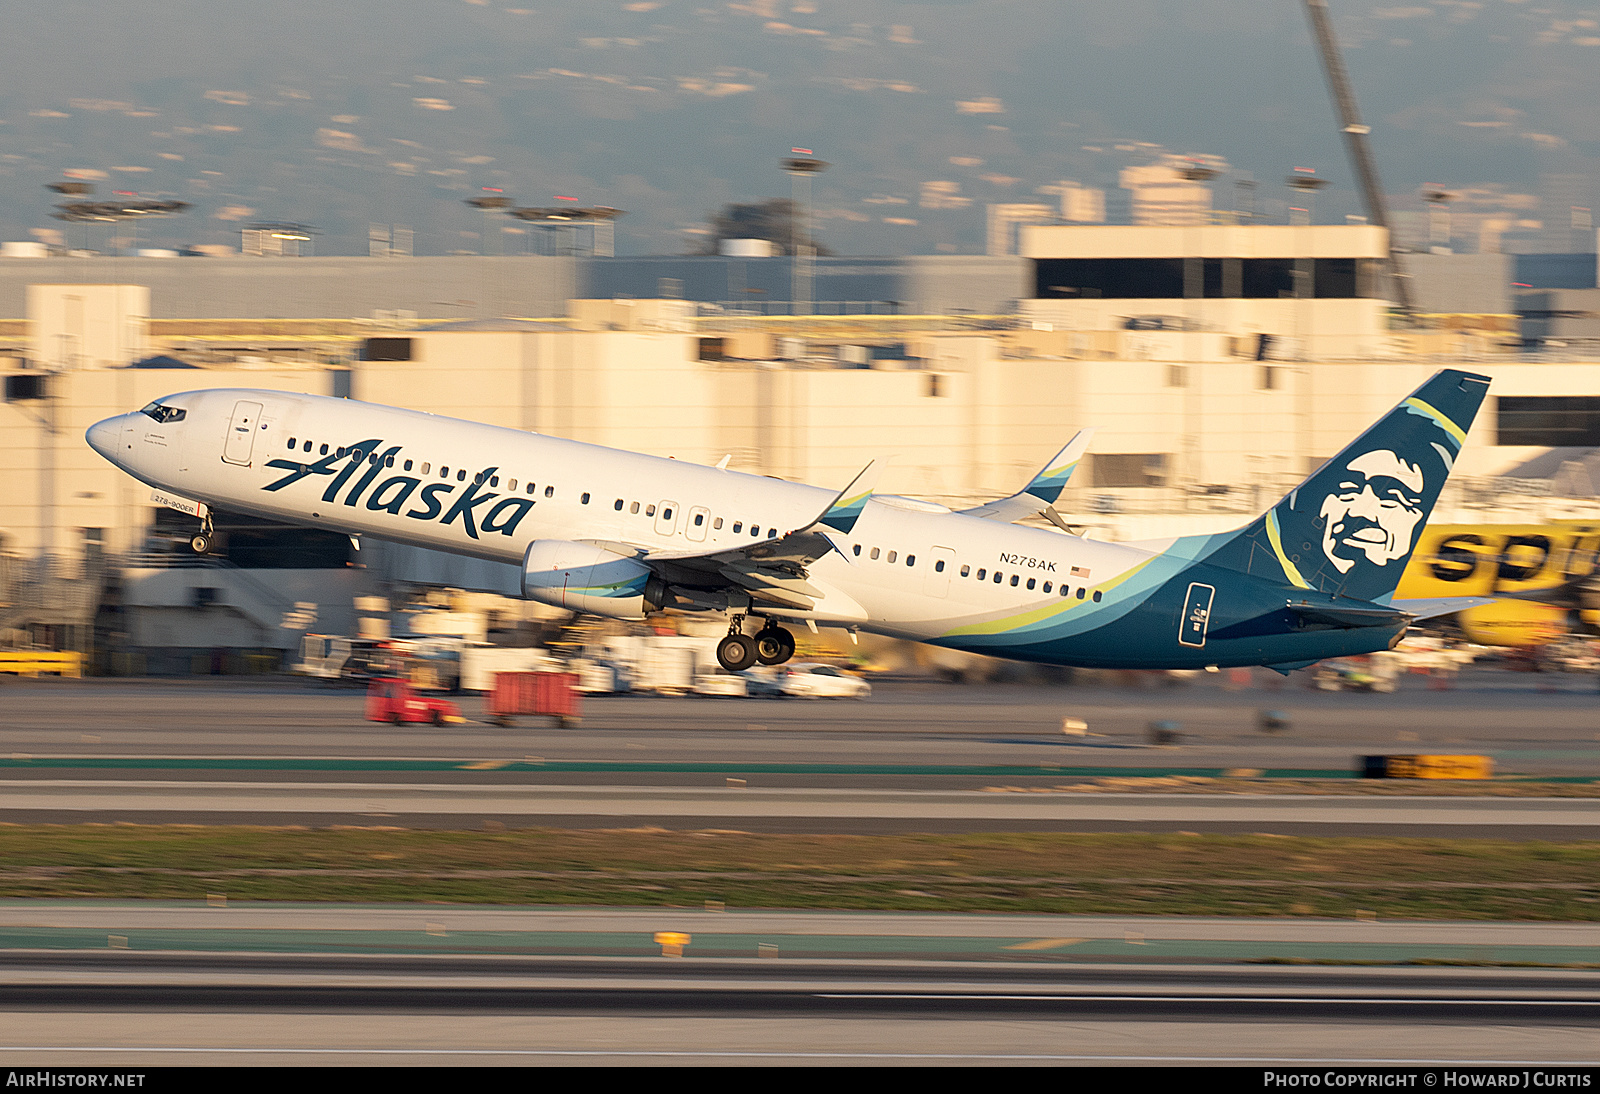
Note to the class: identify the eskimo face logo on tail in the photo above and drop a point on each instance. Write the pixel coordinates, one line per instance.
(1375, 511)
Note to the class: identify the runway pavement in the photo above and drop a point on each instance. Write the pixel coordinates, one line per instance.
(1533, 724)
(755, 808)
(115, 984)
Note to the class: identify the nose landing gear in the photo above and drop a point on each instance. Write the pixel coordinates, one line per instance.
(200, 542)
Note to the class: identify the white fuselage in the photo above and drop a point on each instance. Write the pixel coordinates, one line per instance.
(907, 568)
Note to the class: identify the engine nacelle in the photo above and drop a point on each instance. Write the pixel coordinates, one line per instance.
(581, 577)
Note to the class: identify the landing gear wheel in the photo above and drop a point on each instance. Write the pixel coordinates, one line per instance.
(774, 646)
(736, 652)
(200, 543)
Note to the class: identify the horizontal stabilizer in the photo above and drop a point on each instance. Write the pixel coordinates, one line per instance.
(1340, 616)
(1045, 488)
(1435, 606)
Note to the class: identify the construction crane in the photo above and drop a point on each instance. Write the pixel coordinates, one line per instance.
(1355, 139)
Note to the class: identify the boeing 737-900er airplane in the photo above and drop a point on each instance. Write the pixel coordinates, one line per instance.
(624, 535)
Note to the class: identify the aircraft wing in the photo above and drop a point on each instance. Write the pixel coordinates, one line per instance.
(771, 570)
(1039, 496)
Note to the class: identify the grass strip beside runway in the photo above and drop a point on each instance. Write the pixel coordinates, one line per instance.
(1110, 874)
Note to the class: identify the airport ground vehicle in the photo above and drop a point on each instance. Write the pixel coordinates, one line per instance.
(540, 693)
(810, 680)
(760, 682)
(391, 699)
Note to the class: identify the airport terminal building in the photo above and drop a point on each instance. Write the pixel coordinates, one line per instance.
(1218, 363)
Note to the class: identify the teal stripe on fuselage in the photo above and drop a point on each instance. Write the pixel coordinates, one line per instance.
(1076, 617)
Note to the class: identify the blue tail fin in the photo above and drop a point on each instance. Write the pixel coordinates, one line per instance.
(1349, 529)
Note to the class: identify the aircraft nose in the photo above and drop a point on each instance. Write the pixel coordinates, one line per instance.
(102, 436)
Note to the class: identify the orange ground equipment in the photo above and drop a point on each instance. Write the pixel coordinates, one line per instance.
(390, 699)
(552, 693)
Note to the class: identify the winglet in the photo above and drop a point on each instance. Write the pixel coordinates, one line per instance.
(1052, 478)
(846, 509)
(1043, 490)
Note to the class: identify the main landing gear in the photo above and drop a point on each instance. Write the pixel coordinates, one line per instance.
(738, 651)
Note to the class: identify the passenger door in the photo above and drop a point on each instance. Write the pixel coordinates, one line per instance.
(666, 518)
(241, 437)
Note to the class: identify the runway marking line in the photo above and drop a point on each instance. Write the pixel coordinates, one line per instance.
(1040, 998)
(1045, 944)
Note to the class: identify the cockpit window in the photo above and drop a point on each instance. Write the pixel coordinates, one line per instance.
(164, 414)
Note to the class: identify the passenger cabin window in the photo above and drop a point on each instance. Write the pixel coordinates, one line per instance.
(407, 466)
(666, 514)
(699, 519)
(549, 491)
(738, 526)
(307, 447)
(891, 556)
(426, 468)
(874, 552)
(1047, 586)
(938, 567)
(323, 451)
(461, 476)
(511, 484)
(1030, 583)
(1081, 591)
(291, 443)
(634, 508)
(998, 577)
(717, 525)
(444, 472)
(981, 573)
(585, 499)
(649, 510)
(755, 530)
(494, 481)
(911, 560)
(618, 506)
(857, 550)
(530, 487)
(1014, 580)
(1097, 596)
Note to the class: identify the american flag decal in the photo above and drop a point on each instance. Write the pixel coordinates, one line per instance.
(1080, 571)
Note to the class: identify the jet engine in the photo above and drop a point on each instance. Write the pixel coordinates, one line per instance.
(582, 577)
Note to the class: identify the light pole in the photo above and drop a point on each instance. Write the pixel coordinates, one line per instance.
(1194, 291)
(491, 201)
(1305, 182)
(1438, 200)
(800, 168)
(600, 218)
